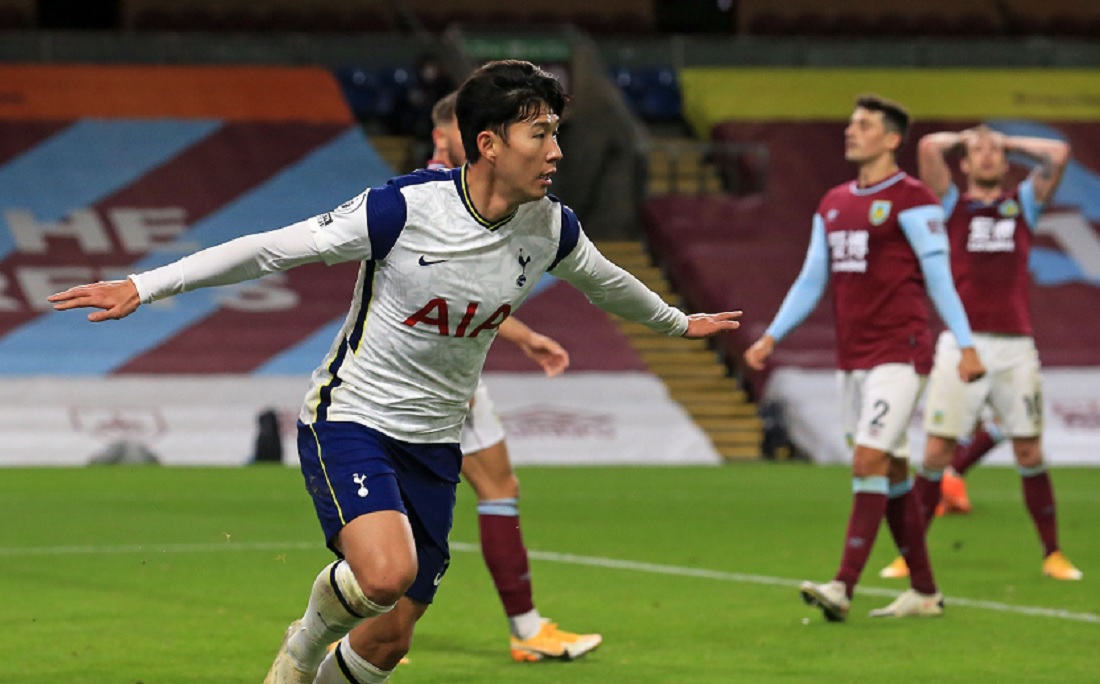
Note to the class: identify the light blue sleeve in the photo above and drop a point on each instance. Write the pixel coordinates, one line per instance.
(923, 227)
(1030, 206)
(950, 199)
(807, 288)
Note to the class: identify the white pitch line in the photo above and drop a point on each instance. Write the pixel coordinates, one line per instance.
(681, 571)
(549, 556)
(227, 545)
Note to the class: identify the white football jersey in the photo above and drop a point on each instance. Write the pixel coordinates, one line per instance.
(437, 279)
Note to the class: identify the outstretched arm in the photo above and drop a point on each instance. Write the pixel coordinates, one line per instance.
(616, 291)
(932, 154)
(544, 351)
(1052, 157)
(235, 261)
(116, 298)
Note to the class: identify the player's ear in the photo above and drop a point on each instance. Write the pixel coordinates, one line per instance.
(487, 142)
(964, 165)
(893, 140)
(437, 135)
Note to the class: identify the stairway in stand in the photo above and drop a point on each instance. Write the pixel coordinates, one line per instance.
(693, 373)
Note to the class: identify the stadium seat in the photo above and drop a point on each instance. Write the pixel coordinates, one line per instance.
(729, 274)
(661, 99)
(652, 93)
(373, 94)
(674, 222)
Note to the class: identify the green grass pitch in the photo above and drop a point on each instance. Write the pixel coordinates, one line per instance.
(187, 576)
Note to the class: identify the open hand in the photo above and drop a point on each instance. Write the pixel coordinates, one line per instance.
(705, 325)
(116, 298)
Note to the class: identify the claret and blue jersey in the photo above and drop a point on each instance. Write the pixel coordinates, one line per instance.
(990, 245)
(884, 248)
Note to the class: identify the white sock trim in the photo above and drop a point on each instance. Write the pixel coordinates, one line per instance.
(357, 668)
(525, 625)
(351, 595)
(336, 605)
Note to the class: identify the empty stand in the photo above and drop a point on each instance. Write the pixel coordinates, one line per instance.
(245, 15)
(652, 93)
(607, 16)
(847, 18)
(1076, 18)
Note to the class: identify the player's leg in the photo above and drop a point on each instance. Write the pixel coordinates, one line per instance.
(1018, 400)
(383, 640)
(929, 483)
(888, 397)
(951, 410)
(428, 474)
(906, 523)
(488, 468)
(870, 465)
(1039, 498)
(967, 454)
(354, 490)
(869, 489)
(900, 387)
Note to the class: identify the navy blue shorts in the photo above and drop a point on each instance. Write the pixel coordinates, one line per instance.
(351, 470)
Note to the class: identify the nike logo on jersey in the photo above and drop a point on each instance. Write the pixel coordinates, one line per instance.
(425, 262)
(439, 575)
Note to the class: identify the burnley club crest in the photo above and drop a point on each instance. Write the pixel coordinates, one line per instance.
(880, 211)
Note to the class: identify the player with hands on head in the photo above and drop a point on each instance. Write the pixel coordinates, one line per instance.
(880, 241)
(991, 228)
(445, 257)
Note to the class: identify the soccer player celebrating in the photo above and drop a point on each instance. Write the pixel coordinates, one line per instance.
(990, 230)
(488, 469)
(445, 258)
(881, 240)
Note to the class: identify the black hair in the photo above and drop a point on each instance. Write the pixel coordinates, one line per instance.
(895, 117)
(502, 93)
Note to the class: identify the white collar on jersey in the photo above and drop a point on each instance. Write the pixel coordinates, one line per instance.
(464, 192)
(896, 178)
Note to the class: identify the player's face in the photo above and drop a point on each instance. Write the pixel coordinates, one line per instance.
(866, 137)
(986, 163)
(451, 140)
(529, 158)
